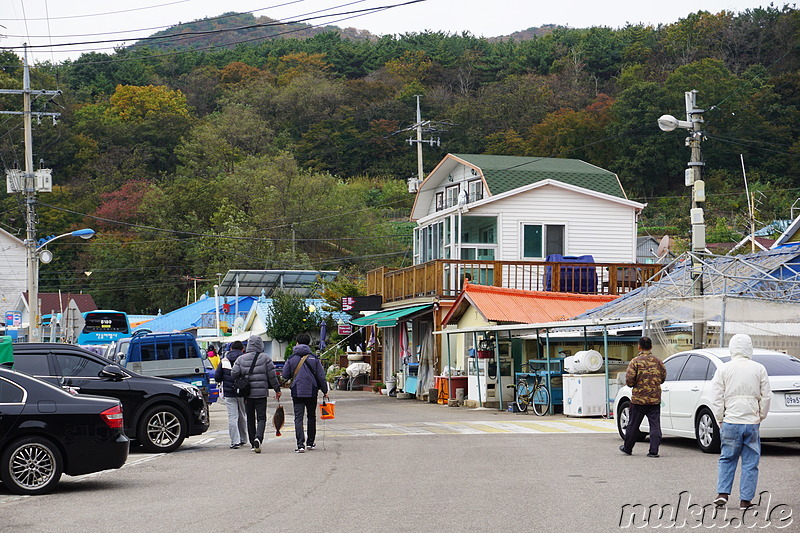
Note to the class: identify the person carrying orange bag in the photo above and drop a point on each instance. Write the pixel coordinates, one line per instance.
(308, 379)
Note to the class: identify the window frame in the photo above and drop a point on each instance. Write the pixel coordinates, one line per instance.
(451, 195)
(545, 229)
(477, 186)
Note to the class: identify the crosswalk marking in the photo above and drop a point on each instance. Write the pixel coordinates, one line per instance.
(592, 426)
(486, 427)
(476, 427)
(532, 426)
(540, 427)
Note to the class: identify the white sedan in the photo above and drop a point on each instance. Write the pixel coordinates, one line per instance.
(686, 397)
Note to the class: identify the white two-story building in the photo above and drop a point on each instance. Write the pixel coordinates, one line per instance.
(507, 208)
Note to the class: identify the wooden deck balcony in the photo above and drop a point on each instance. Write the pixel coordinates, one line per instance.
(443, 278)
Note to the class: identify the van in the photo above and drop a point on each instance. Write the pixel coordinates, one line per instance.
(168, 355)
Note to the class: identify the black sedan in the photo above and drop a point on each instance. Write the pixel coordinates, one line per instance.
(46, 432)
(159, 413)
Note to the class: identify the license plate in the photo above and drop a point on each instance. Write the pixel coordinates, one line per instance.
(792, 400)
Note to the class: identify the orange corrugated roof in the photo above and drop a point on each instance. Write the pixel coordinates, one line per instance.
(498, 304)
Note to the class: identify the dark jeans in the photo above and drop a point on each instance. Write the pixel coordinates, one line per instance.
(256, 418)
(637, 414)
(308, 405)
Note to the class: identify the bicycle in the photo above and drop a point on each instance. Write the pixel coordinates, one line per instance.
(535, 395)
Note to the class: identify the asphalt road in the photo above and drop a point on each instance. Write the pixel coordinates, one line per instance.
(393, 465)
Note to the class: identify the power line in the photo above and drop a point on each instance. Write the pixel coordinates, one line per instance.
(741, 87)
(191, 233)
(187, 35)
(209, 19)
(95, 14)
(749, 145)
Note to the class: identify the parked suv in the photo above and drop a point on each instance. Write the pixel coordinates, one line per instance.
(158, 413)
(167, 355)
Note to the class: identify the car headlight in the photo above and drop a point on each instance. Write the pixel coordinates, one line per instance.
(191, 389)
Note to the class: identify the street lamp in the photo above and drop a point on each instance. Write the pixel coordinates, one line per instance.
(693, 178)
(35, 255)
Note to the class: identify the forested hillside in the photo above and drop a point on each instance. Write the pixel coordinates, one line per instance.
(283, 153)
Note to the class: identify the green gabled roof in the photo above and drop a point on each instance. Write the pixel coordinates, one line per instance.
(506, 172)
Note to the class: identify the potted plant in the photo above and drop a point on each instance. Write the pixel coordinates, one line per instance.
(378, 387)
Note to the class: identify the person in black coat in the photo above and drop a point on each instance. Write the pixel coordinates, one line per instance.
(237, 418)
(308, 381)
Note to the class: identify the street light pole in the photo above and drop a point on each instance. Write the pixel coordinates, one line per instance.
(693, 177)
(36, 254)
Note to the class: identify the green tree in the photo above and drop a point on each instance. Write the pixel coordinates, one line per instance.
(289, 317)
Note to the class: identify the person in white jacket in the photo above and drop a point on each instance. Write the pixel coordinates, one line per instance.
(741, 396)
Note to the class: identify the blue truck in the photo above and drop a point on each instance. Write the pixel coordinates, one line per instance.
(167, 355)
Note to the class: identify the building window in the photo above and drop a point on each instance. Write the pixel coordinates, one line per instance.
(431, 243)
(439, 201)
(478, 238)
(452, 195)
(475, 190)
(542, 240)
(479, 229)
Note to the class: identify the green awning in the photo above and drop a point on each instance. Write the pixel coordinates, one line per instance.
(387, 319)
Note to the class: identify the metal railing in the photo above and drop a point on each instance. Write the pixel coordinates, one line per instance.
(445, 277)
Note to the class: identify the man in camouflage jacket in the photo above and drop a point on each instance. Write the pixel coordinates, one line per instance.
(645, 375)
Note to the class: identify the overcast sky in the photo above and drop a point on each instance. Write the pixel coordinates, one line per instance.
(45, 22)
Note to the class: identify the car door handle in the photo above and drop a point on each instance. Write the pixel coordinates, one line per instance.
(664, 389)
(695, 389)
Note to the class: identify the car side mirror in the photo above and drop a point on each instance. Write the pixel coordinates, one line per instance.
(113, 372)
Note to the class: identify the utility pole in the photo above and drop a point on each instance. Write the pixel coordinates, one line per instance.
(693, 177)
(420, 177)
(419, 127)
(28, 183)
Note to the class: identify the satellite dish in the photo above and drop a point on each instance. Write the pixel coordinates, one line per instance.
(663, 248)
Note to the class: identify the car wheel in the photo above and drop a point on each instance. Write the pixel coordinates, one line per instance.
(707, 431)
(162, 429)
(31, 465)
(623, 418)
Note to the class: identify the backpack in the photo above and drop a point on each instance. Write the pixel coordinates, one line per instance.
(242, 383)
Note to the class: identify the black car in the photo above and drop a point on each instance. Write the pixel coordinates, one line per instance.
(46, 431)
(159, 413)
